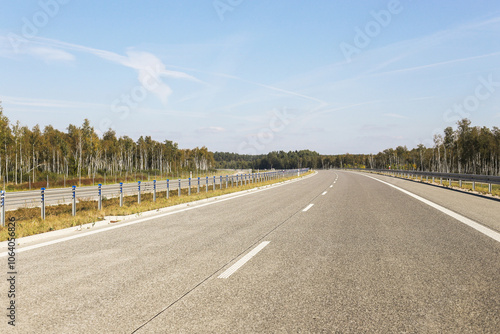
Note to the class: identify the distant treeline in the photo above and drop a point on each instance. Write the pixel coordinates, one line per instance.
(468, 149)
(276, 160)
(81, 152)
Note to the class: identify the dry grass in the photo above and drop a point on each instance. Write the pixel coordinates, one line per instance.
(29, 222)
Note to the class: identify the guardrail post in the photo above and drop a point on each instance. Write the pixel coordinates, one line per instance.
(189, 189)
(43, 204)
(198, 184)
(489, 188)
(3, 208)
(460, 183)
(237, 180)
(449, 183)
(73, 201)
(232, 181)
(433, 179)
(154, 190)
(226, 180)
(139, 192)
(213, 185)
(168, 188)
(206, 186)
(121, 194)
(441, 181)
(473, 185)
(220, 180)
(99, 203)
(179, 193)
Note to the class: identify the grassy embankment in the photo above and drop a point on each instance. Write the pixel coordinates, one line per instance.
(29, 222)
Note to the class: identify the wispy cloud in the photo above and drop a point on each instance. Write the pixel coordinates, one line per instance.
(138, 60)
(211, 130)
(394, 115)
(46, 103)
(416, 45)
(258, 84)
(27, 48)
(150, 69)
(442, 63)
(51, 54)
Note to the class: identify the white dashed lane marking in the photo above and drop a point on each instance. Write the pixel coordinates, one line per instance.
(243, 260)
(308, 207)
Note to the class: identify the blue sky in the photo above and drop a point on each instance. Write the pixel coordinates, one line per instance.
(254, 76)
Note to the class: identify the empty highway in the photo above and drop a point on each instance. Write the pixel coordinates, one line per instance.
(336, 252)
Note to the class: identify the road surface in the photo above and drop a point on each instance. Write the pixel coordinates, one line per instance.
(337, 252)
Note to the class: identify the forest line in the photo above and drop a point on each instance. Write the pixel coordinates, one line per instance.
(35, 154)
(466, 149)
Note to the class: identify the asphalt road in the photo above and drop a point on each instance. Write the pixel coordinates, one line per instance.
(365, 257)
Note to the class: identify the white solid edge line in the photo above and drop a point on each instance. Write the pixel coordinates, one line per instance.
(56, 241)
(229, 271)
(324, 193)
(483, 229)
(307, 207)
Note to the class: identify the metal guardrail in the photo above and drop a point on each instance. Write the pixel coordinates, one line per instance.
(73, 195)
(474, 178)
